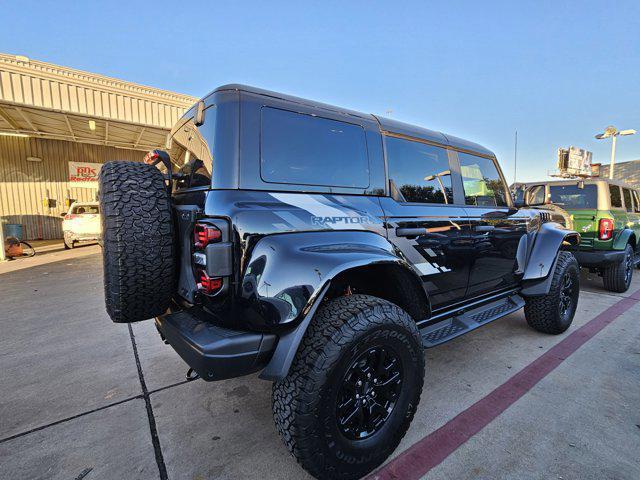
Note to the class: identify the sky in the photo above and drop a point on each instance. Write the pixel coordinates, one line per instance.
(557, 72)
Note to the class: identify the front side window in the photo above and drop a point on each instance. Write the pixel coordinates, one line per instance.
(421, 172)
(482, 183)
(302, 149)
(571, 196)
(192, 151)
(616, 197)
(628, 204)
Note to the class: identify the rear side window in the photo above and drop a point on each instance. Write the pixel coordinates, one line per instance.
(636, 198)
(421, 172)
(628, 204)
(573, 197)
(305, 149)
(482, 183)
(86, 209)
(616, 198)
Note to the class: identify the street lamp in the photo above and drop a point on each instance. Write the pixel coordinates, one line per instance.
(613, 132)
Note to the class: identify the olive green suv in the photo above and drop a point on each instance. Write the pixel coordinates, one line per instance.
(606, 213)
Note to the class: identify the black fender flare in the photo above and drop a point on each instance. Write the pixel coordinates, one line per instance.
(289, 274)
(549, 239)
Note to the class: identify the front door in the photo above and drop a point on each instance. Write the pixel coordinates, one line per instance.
(494, 234)
(423, 222)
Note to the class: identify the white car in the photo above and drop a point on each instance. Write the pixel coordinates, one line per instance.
(81, 223)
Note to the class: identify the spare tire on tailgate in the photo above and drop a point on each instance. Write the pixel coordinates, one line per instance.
(137, 232)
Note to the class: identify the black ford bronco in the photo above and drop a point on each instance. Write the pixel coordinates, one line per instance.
(324, 248)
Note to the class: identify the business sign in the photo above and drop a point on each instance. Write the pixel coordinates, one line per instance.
(83, 174)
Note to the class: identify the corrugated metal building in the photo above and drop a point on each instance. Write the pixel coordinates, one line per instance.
(628, 172)
(52, 115)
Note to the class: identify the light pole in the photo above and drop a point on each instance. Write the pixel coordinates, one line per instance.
(613, 132)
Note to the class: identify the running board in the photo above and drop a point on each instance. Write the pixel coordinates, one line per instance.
(453, 327)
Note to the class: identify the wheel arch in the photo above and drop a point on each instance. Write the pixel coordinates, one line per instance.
(371, 268)
(626, 236)
(549, 240)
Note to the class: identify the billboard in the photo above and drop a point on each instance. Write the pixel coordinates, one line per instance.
(574, 161)
(84, 174)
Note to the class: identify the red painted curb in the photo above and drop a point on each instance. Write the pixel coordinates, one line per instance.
(420, 458)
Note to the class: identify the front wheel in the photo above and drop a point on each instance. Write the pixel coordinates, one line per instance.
(352, 389)
(553, 313)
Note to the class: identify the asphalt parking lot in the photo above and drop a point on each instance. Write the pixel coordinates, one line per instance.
(82, 397)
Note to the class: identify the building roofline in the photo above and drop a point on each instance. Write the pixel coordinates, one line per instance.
(23, 65)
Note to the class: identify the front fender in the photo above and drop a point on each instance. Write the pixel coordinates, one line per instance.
(547, 242)
(286, 271)
(625, 236)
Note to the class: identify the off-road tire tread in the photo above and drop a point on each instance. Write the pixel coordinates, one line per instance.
(542, 312)
(137, 241)
(334, 326)
(613, 275)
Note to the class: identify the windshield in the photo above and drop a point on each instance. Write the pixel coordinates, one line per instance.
(571, 196)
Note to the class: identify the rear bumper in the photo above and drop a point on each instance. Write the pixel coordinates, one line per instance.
(598, 258)
(79, 237)
(215, 353)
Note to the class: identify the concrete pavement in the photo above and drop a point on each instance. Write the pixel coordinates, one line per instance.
(72, 403)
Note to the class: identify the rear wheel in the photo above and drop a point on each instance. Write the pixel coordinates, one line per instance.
(617, 278)
(553, 313)
(137, 236)
(68, 243)
(353, 388)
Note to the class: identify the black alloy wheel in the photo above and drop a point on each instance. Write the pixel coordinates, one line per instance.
(567, 295)
(369, 392)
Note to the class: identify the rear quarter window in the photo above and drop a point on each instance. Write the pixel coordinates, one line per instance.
(574, 197)
(301, 149)
(628, 203)
(616, 197)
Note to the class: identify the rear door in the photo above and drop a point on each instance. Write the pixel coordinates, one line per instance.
(422, 217)
(494, 234)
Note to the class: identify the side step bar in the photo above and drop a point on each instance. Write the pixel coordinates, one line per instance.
(453, 327)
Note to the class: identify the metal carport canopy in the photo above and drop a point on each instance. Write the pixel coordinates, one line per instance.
(43, 100)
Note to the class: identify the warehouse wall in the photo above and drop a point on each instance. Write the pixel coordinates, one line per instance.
(628, 172)
(24, 185)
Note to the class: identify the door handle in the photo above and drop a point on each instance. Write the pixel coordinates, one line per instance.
(411, 232)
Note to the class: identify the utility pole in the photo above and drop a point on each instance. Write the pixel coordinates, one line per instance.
(515, 158)
(613, 156)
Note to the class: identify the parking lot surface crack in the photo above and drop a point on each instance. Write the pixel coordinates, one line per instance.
(152, 421)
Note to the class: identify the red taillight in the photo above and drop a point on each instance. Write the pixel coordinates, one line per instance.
(206, 284)
(204, 234)
(150, 158)
(605, 229)
(70, 216)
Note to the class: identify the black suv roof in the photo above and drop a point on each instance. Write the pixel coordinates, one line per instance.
(387, 125)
